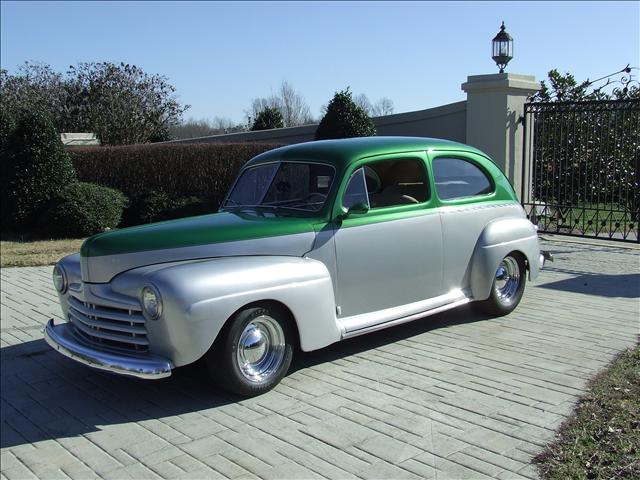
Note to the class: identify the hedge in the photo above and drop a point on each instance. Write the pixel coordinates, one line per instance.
(82, 209)
(203, 170)
(159, 206)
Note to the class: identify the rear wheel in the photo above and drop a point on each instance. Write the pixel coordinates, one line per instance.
(254, 351)
(508, 286)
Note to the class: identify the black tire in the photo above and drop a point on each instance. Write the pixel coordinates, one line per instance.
(256, 340)
(507, 287)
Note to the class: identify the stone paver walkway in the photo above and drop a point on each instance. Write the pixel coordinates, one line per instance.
(457, 395)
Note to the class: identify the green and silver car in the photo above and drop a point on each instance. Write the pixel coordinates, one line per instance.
(314, 243)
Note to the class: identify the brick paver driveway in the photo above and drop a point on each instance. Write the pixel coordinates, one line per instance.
(457, 395)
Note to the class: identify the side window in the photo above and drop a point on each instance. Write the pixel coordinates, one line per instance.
(397, 182)
(356, 190)
(457, 178)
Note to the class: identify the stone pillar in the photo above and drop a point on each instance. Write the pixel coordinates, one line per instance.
(495, 104)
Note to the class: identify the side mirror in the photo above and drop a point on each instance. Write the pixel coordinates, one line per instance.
(355, 209)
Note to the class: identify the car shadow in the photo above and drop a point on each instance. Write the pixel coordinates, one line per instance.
(599, 284)
(47, 396)
(387, 336)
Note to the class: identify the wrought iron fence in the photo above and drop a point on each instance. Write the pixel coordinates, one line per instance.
(583, 171)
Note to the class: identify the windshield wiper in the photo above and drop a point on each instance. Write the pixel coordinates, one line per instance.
(236, 208)
(273, 208)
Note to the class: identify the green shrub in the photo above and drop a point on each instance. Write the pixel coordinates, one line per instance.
(7, 128)
(344, 119)
(82, 209)
(268, 118)
(37, 168)
(169, 174)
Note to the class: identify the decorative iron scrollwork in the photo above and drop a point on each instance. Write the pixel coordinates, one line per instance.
(626, 81)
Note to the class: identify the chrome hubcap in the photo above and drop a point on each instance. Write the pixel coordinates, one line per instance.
(260, 349)
(507, 280)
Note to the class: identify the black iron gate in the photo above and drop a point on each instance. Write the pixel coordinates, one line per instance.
(582, 171)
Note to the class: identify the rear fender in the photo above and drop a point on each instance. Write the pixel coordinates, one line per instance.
(499, 238)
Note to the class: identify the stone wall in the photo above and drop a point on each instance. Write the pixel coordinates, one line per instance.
(490, 119)
(447, 121)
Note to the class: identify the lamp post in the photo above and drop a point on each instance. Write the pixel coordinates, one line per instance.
(502, 49)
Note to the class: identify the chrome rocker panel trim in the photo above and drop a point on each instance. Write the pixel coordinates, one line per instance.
(406, 319)
(63, 341)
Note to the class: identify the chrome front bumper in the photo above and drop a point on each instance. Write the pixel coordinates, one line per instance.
(62, 339)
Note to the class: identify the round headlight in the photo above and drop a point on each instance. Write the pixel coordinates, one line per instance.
(151, 303)
(59, 279)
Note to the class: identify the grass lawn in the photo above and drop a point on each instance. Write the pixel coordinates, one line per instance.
(601, 439)
(607, 220)
(597, 213)
(35, 253)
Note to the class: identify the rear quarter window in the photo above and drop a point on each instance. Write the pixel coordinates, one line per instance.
(458, 178)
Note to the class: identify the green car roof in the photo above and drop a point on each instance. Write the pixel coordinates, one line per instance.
(343, 152)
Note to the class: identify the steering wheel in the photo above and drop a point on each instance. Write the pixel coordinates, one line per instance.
(320, 197)
(410, 199)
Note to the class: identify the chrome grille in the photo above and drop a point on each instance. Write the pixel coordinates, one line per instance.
(118, 328)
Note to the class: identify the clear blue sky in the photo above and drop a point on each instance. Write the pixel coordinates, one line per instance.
(220, 55)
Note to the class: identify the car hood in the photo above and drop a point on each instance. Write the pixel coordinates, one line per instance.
(105, 255)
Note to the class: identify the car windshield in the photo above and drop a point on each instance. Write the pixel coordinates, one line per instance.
(294, 186)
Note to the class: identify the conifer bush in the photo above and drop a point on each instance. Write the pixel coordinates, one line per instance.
(344, 119)
(37, 167)
(268, 118)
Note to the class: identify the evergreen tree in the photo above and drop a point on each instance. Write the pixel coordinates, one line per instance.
(344, 119)
(38, 167)
(267, 119)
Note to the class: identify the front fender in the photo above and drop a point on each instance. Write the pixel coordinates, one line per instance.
(199, 297)
(499, 238)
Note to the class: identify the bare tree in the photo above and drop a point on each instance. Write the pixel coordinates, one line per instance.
(192, 128)
(121, 103)
(35, 87)
(195, 128)
(291, 104)
(363, 102)
(226, 125)
(384, 106)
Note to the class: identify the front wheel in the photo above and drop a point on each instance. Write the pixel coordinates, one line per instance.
(254, 351)
(508, 286)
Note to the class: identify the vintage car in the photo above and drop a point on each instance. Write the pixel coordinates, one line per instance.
(314, 243)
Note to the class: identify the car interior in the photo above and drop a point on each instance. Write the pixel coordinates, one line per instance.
(396, 182)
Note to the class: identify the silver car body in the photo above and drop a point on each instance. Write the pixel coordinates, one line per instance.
(343, 280)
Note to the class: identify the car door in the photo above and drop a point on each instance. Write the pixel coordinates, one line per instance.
(468, 203)
(392, 254)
